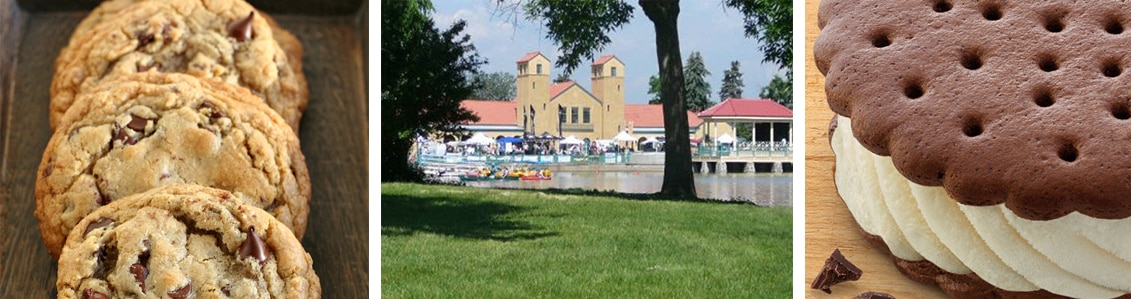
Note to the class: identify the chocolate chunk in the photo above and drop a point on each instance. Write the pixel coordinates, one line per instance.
(121, 135)
(837, 269)
(140, 272)
(143, 39)
(92, 294)
(181, 293)
(227, 289)
(216, 113)
(241, 29)
(137, 123)
(253, 247)
(100, 223)
(874, 295)
(104, 199)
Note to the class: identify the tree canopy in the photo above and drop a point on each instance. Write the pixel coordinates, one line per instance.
(654, 89)
(426, 73)
(497, 86)
(579, 27)
(770, 22)
(780, 89)
(732, 83)
(562, 77)
(695, 85)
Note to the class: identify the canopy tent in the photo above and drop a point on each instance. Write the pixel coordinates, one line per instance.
(479, 139)
(548, 136)
(509, 140)
(649, 140)
(694, 141)
(571, 140)
(623, 136)
(725, 139)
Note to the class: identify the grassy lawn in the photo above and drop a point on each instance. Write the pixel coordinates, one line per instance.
(462, 242)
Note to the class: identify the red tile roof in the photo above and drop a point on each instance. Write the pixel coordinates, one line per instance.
(645, 115)
(558, 88)
(529, 56)
(603, 59)
(747, 108)
(491, 112)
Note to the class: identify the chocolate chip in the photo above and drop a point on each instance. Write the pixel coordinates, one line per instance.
(241, 29)
(137, 123)
(49, 168)
(227, 289)
(165, 32)
(144, 39)
(120, 134)
(874, 295)
(92, 294)
(837, 269)
(104, 199)
(253, 247)
(140, 272)
(216, 113)
(100, 223)
(181, 293)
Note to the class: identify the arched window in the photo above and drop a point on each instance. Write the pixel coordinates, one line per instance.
(614, 72)
(539, 68)
(533, 85)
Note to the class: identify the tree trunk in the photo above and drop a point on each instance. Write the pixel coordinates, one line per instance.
(678, 174)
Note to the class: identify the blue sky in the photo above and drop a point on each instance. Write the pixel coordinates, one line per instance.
(706, 26)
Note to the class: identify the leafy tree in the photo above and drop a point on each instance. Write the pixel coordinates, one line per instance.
(744, 130)
(780, 89)
(771, 23)
(732, 83)
(654, 89)
(562, 77)
(498, 86)
(695, 85)
(581, 29)
(426, 73)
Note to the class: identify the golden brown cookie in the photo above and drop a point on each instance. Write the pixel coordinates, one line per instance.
(141, 131)
(184, 241)
(225, 40)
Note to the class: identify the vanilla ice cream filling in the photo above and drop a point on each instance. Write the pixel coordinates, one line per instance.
(1074, 255)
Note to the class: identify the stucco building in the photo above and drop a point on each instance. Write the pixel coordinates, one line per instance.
(567, 108)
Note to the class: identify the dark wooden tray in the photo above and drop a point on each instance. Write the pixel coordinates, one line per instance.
(333, 135)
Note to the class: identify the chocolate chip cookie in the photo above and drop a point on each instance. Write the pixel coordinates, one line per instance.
(182, 241)
(140, 131)
(226, 40)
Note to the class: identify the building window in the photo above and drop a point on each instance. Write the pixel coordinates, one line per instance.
(585, 115)
(618, 87)
(539, 68)
(608, 108)
(533, 85)
(573, 115)
(614, 73)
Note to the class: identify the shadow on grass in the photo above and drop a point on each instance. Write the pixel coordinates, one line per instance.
(404, 215)
(630, 196)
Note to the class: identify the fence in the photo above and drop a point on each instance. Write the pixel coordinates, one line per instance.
(756, 149)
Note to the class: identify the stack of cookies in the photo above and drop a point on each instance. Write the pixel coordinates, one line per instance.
(175, 169)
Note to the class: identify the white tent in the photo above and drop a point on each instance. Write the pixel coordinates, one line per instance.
(725, 139)
(649, 140)
(623, 136)
(571, 140)
(479, 139)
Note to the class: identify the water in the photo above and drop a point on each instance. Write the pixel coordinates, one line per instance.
(760, 188)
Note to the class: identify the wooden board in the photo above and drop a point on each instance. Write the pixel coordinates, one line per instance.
(333, 136)
(828, 224)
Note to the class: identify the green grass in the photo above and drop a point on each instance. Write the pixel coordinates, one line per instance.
(462, 242)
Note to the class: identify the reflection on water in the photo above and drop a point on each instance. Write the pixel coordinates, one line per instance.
(760, 188)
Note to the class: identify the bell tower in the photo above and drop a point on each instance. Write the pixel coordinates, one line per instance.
(608, 86)
(533, 92)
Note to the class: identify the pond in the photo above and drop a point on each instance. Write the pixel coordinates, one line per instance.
(763, 189)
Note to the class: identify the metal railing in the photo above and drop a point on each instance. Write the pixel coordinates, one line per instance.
(746, 149)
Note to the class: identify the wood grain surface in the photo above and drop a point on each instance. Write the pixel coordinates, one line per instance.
(828, 224)
(333, 136)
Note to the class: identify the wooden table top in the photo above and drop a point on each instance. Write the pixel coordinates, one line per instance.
(828, 224)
